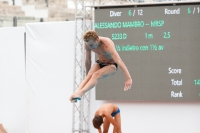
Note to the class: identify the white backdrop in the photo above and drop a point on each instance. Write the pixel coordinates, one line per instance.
(45, 107)
(49, 73)
(13, 95)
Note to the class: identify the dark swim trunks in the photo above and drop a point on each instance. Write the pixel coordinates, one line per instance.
(116, 112)
(101, 64)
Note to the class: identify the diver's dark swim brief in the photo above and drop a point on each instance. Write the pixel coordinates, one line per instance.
(101, 64)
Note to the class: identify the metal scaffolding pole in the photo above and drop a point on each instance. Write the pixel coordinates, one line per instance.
(80, 120)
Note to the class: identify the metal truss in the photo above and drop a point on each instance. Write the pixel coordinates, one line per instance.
(84, 18)
(81, 109)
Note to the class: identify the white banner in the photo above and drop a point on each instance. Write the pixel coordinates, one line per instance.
(49, 73)
(13, 95)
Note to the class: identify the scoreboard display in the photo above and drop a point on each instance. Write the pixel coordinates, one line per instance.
(159, 44)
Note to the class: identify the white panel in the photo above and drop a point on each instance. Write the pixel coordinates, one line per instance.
(13, 98)
(50, 69)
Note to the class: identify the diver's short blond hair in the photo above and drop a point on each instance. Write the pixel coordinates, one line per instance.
(90, 34)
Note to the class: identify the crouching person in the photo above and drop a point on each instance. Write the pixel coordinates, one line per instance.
(106, 114)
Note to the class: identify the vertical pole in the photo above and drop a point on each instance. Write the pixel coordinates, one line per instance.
(14, 21)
